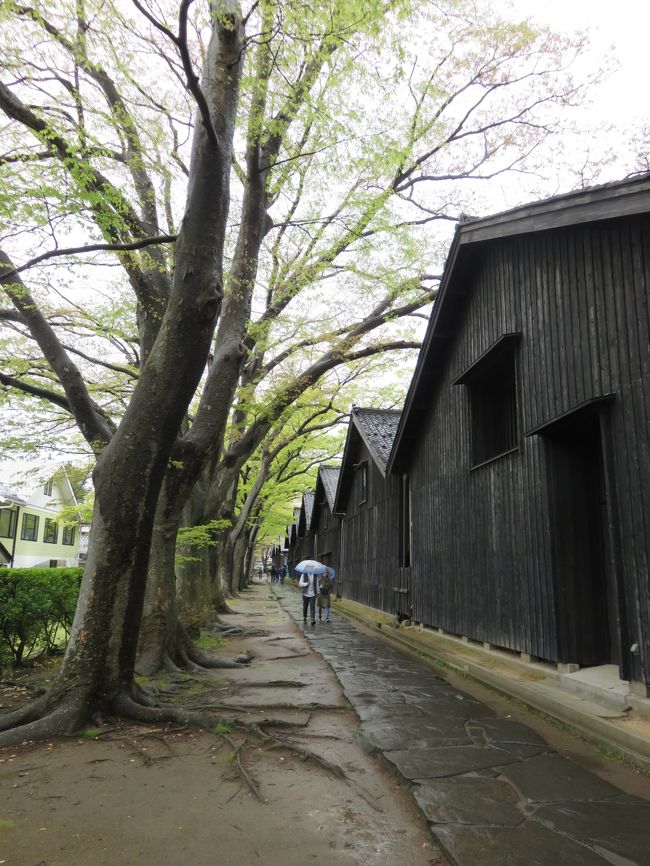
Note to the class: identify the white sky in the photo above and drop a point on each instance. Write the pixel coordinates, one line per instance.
(618, 25)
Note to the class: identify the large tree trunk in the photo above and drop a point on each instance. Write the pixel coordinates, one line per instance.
(240, 575)
(97, 671)
(228, 574)
(159, 628)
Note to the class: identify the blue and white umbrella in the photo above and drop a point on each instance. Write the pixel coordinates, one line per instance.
(312, 566)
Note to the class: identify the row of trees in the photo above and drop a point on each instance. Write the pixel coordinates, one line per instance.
(217, 221)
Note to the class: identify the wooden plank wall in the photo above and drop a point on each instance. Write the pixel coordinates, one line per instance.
(368, 563)
(325, 529)
(481, 559)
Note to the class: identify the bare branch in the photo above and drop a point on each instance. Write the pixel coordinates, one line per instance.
(91, 248)
(93, 423)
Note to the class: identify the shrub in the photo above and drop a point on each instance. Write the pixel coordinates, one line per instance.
(37, 607)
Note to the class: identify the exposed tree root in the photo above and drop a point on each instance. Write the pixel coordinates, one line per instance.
(235, 631)
(198, 656)
(188, 664)
(59, 722)
(289, 656)
(275, 684)
(242, 771)
(238, 708)
(29, 713)
(170, 666)
(305, 754)
(284, 723)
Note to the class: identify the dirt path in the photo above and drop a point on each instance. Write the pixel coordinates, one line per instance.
(139, 795)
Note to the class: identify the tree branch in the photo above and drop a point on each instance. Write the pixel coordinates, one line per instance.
(91, 248)
(35, 391)
(96, 427)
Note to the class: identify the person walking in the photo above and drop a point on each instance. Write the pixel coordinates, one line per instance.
(324, 601)
(308, 583)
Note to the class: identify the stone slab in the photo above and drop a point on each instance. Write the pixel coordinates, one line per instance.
(469, 800)
(615, 830)
(496, 730)
(409, 734)
(550, 778)
(530, 844)
(440, 762)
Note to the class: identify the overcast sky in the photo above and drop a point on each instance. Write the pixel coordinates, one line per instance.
(621, 26)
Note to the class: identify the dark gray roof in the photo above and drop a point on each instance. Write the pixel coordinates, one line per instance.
(378, 428)
(308, 503)
(330, 478)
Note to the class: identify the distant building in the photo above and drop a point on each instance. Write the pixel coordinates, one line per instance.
(325, 525)
(31, 533)
(372, 554)
(301, 541)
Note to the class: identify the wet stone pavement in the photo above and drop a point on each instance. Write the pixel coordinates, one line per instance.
(493, 791)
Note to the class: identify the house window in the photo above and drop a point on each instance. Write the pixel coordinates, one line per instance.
(362, 474)
(47, 490)
(7, 522)
(404, 523)
(68, 535)
(51, 531)
(492, 393)
(29, 530)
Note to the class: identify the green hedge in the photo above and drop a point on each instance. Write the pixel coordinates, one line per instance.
(37, 607)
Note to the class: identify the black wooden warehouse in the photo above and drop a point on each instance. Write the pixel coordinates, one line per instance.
(525, 434)
(301, 540)
(324, 526)
(368, 502)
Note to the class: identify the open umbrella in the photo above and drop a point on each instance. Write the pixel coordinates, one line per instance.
(312, 566)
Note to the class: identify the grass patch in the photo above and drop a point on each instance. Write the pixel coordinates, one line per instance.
(209, 642)
(91, 733)
(7, 824)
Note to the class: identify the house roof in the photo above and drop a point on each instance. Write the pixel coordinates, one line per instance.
(10, 497)
(308, 502)
(326, 484)
(376, 428)
(306, 511)
(329, 477)
(609, 201)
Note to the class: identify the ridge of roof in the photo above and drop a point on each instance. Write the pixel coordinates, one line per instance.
(619, 197)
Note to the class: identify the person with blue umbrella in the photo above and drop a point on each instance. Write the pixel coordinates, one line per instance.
(310, 570)
(324, 599)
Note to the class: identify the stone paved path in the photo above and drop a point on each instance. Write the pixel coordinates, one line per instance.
(493, 791)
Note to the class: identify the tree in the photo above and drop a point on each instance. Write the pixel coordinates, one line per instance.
(97, 672)
(326, 194)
